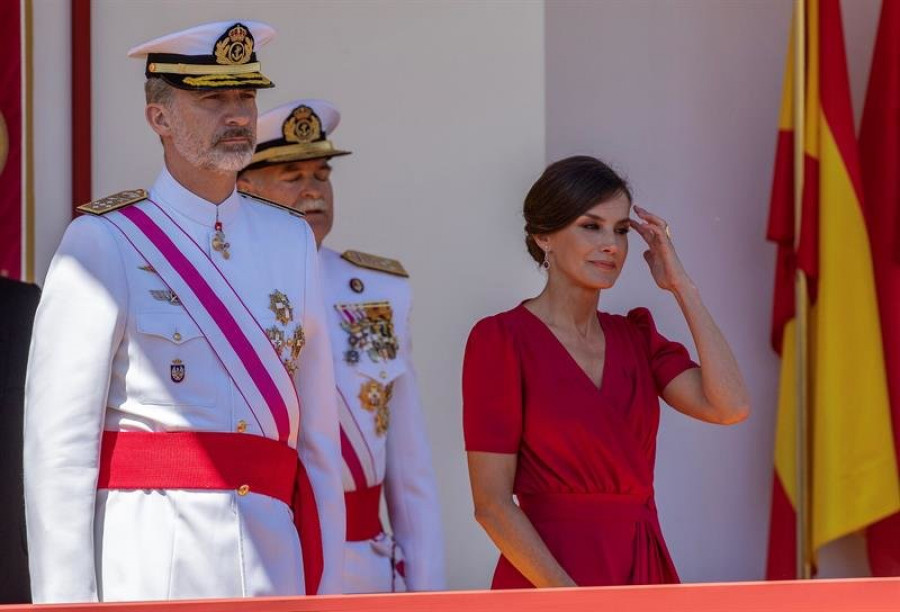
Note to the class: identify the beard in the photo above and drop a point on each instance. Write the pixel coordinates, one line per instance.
(216, 156)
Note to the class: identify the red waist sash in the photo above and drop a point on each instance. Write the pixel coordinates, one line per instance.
(218, 461)
(363, 521)
(587, 507)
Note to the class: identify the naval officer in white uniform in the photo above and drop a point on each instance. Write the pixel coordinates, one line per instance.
(367, 299)
(133, 420)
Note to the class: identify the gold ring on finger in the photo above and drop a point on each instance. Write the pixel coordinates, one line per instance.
(668, 233)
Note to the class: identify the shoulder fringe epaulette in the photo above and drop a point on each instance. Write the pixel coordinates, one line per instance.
(113, 202)
(374, 262)
(262, 200)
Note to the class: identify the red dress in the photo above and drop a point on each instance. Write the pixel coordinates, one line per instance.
(584, 475)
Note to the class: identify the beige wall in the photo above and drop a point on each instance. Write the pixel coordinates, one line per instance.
(683, 96)
(52, 137)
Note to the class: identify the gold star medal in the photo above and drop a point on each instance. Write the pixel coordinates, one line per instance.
(374, 397)
(281, 306)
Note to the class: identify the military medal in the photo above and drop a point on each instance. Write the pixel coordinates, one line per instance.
(374, 397)
(176, 371)
(219, 243)
(357, 285)
(276, 337)
(165, 295)
(370, 330)
(281, 306)
(296, 341)
(281, 340)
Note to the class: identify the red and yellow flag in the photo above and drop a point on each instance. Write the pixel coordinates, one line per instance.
(879, 150)
(853, 472)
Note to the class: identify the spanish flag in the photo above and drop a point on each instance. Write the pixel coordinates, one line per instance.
(879, 150)
(852, 467)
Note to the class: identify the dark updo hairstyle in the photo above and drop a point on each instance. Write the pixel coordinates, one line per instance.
(566, 190)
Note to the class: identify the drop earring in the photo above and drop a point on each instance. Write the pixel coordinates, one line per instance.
(546, 263)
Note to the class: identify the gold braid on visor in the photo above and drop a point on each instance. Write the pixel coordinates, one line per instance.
(291, 152)
(227, 80)
(201, 69)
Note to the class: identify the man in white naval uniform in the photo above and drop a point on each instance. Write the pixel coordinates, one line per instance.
(121, 365)
(367, 299)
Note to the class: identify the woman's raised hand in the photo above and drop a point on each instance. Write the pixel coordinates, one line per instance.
(664, 264)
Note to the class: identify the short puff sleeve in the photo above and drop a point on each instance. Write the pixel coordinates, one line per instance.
(668, 358)
(492, 389)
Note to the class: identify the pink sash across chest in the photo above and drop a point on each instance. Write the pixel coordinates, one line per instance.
(251, 361)
(229, 327)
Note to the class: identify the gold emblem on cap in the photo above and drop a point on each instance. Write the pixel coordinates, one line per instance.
(235, 46)
(302, 126)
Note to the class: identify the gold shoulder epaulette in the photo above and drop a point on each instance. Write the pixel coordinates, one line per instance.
(113, 202)
(374, 262)
(262, 200)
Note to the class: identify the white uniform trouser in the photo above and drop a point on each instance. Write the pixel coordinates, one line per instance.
(373, 566)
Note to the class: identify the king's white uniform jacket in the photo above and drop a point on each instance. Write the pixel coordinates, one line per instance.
(102, 358)
(399, 458)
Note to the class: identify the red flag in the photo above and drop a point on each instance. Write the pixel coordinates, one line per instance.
(11, 144)
(879, 147)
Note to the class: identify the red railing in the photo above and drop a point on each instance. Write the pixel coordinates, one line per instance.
(862, 595)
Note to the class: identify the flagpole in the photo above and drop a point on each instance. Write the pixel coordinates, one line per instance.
(804, 567)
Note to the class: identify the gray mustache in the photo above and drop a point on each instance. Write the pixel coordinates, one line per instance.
(234, 133)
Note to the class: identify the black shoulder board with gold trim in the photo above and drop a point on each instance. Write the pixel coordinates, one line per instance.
(374, 262)
(113, 202)
(261, 200)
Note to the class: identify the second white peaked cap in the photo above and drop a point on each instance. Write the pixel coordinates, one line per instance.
(217, 55)
(296, 131)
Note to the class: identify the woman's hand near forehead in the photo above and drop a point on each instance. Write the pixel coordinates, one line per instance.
(715, 392)
(666, 268)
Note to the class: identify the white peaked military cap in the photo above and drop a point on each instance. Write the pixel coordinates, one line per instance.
(296, 131)
(219, 55)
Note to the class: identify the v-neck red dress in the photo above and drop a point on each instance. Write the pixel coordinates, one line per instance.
(584, 475)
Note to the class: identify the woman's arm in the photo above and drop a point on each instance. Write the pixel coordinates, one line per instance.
(715, 392)
(491, 476)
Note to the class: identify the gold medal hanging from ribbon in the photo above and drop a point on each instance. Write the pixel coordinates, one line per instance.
(219, 243)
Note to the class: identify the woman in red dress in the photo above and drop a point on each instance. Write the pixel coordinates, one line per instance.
(561, 403)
